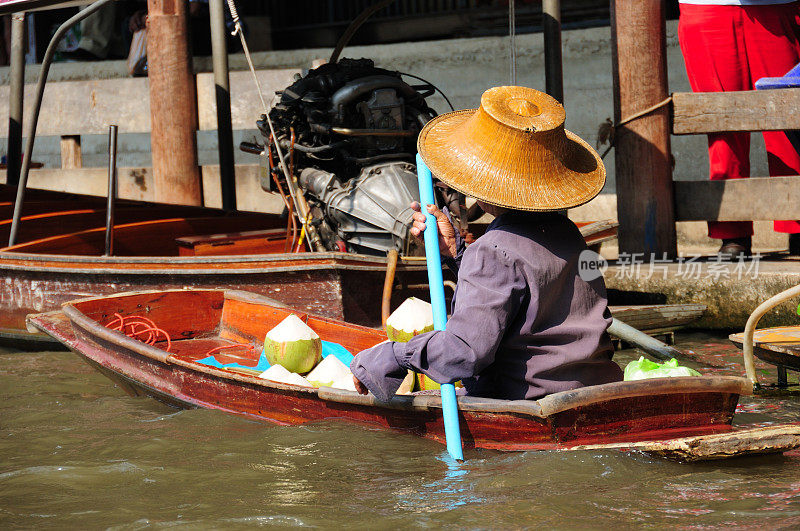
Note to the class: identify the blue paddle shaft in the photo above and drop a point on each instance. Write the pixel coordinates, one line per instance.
(452, 431)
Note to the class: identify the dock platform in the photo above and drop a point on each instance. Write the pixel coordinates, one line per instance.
(730, 290)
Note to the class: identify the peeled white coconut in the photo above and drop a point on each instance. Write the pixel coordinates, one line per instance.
(279, 374)
(331, 372)
(293, 345)
(411, 318)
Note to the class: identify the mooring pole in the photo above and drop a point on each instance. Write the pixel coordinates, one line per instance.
(553, 72)
(16, 94)
(643, 160)
(173, 104)
(219, 50)
(30, 133)
(112, 188)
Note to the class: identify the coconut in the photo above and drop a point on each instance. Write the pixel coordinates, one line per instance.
(426, 384)
(279, 374)
(293, 345)
(331, 372)
(411, 318)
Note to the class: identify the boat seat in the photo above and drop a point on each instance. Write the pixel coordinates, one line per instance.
(270, 241)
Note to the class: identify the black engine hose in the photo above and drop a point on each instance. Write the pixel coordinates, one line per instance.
(350, 92)
(314, 149)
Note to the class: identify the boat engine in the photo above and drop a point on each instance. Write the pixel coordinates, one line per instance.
(348, 132)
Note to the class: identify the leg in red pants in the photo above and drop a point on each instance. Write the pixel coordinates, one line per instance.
(728, 48)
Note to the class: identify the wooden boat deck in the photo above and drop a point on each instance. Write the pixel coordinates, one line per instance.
(658, 319)
(777, 346)
(621, 413)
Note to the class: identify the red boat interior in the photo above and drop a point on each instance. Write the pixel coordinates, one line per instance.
(231, 325)
(68, 224)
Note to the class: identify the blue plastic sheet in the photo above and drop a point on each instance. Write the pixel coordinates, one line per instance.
(328, 349)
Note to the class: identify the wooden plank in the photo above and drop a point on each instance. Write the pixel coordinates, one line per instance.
(86, 107)
(644, 172)
(71, 152)
(137, 184)
(757, 198)
(736, 443)
(658, 317)
(751, 110)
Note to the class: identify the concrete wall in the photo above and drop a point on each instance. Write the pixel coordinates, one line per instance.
(463, 69)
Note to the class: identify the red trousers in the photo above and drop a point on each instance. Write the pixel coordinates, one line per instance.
(728, 48)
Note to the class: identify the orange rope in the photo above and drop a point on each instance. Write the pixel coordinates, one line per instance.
(136, 326)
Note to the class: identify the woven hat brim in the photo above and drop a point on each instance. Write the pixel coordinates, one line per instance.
(568, 181)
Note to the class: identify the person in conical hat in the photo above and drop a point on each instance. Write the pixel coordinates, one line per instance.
(526, 319)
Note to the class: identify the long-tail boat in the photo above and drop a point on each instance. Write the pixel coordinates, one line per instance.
(60, 257)
(684, 418)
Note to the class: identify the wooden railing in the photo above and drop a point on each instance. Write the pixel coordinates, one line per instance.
(649, 202)
(71, 109)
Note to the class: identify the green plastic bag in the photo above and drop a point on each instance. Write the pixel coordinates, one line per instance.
(642, 369)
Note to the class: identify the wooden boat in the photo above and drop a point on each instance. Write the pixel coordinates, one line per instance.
(62, 240)
(658, 319)
(664, 416)
(777, 346)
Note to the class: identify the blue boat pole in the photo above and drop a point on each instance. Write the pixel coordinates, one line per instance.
(452, 431)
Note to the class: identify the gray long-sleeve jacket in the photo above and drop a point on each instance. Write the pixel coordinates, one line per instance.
(524, 324)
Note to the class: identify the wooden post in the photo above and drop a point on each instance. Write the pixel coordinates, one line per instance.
(71, 156)
(16, 93)
(173, 104)
(645, 202)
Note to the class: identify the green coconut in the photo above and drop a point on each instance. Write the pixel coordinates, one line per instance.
(279, 374)
(411, 318)
(293, 345)
(332, 373)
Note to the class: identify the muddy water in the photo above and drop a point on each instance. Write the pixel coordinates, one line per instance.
(77, 452)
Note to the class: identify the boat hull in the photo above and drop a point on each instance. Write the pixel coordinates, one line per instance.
(621, 413)
(336, 285)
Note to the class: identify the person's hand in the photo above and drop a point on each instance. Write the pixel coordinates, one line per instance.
(360, 387)
(447, 233)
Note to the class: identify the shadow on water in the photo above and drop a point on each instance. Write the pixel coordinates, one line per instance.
(77, 452)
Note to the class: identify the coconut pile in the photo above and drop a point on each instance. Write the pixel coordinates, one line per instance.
(412, 318)
(293, 349)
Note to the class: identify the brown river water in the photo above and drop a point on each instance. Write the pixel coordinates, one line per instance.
(76, 452)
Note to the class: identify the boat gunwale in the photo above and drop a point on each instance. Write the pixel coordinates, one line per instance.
(542, 408)
(320, 261)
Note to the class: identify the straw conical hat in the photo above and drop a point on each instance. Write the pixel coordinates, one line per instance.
(513, 152)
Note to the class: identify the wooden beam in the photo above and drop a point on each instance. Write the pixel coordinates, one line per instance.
(137, 184)
(173, 104)
(643, 161)
(758, 198)
(751, 110)
(87, 107)
(71, 156)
